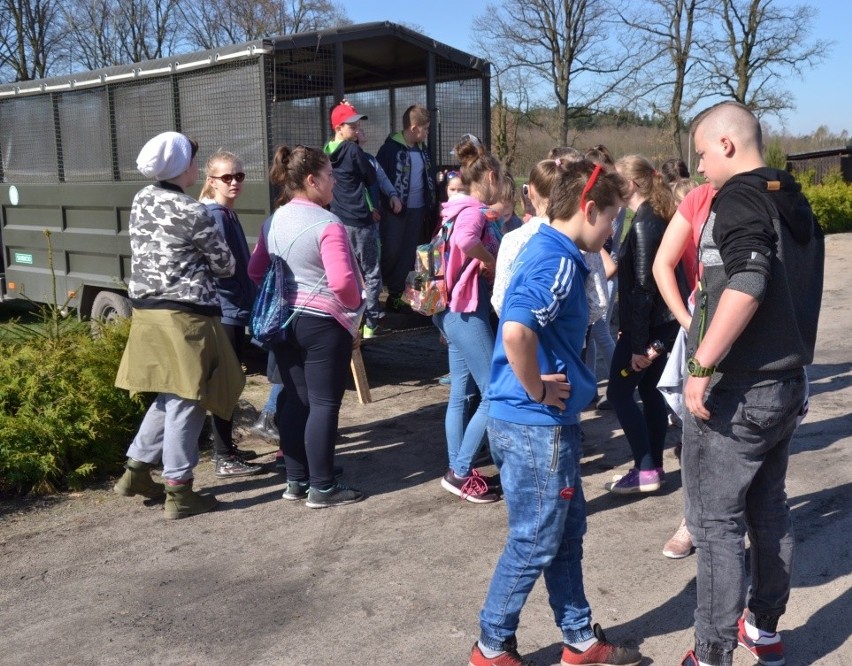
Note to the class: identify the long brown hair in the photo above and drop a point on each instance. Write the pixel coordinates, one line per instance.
(570, 180)
(649, 183)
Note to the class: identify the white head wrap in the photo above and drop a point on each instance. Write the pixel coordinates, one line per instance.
(164, 157)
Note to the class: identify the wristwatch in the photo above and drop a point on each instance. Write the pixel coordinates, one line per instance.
(695, 369)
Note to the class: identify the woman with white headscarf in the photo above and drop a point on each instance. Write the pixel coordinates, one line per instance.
(176, 347)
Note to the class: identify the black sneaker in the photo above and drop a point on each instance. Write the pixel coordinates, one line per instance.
(232, 465)
(394, 303)
(337, 495)
(296, 490)
(243, 454)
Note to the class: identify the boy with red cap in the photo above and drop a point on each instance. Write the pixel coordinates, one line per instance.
(353, 175)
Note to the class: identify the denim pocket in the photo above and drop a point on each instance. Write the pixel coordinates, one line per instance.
(763, 417)
(498, 438)
(769, 406)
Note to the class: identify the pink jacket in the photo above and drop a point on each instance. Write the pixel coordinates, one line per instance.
(469, 228)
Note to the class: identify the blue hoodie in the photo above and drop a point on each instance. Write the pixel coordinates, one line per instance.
(236, 293)
(547, 295)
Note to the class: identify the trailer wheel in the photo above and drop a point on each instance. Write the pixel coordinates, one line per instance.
(107, 307)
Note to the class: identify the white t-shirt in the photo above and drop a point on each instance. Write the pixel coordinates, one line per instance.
(510, 247)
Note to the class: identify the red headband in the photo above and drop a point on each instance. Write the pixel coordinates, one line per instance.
(589, 184)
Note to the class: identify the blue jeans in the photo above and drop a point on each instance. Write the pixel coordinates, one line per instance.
(271, 405)
(470, 341)
(600, 340)
(540, 474)
(734, 468)
(170, 430)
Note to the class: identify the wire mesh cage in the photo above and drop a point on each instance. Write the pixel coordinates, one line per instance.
(90, 130)
(381, 69)
(27, 140)
(298, 91)
(223, 109)
(143, 109)
(68, 145)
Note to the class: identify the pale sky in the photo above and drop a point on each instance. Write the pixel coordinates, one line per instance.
(824, 97)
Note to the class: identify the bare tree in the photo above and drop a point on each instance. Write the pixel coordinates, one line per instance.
(510, 110)
(32, 32)
(669, 29)
(566, 43)
(758, 44)
(234, 21)
(93, 37)
(102, 33)
(147, 29)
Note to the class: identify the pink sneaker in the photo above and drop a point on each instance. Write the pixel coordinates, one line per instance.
(680, 544)
(473, 488)
(635, 481)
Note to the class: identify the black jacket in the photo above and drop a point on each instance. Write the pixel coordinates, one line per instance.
(395, 158)
(353, 174)
(640, 306)
(762, 238)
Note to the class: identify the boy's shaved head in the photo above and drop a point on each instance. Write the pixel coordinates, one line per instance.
(731, 119)
(728, 141)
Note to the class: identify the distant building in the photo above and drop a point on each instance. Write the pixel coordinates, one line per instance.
(820, 162)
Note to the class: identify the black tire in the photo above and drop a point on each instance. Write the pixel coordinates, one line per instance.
(107, 307)
(110, 306)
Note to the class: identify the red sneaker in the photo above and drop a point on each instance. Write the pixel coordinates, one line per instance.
(690, 659)
(600, 653)
(508, 658)
(765, 653)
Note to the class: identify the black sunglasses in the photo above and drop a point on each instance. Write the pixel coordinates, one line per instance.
(228, 177)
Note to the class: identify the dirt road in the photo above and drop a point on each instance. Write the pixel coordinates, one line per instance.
(92, 578)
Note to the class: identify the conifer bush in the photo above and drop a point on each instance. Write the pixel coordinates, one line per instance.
(62, 421)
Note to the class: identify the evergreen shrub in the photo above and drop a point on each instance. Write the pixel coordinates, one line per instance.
(832, 203)
(62, 421)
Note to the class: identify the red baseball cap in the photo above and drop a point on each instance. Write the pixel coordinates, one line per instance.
(345, 113)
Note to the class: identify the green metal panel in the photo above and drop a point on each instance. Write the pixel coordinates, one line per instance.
(88, 224)
(69, 145)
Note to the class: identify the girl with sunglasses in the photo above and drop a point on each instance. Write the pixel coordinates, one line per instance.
(224, 183)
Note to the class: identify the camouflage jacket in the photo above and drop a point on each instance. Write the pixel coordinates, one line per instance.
(177, 250)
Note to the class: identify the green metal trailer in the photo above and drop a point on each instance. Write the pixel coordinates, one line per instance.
(68, 145)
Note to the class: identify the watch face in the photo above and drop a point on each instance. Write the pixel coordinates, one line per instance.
(695, 369)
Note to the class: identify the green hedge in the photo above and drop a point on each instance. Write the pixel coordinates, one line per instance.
(61, 418)
(832, 203)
